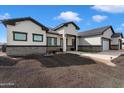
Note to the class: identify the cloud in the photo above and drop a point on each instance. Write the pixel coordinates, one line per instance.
(4, 16)
(69, 16)
(109, 8)
(99, 18)
(121, 27)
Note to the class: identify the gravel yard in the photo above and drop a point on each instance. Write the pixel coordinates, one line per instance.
(39, 71)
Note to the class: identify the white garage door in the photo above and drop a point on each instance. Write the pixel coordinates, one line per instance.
(105, 44)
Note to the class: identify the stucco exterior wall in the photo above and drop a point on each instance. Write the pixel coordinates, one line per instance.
(70, 29)
(28, 27)
(114, 41)
(69, 40)
(94, 40)
(108, 33)
(61, 30)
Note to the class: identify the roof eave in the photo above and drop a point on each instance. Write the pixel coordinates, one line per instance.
(13, 21)
(77, 28)
(90, 35)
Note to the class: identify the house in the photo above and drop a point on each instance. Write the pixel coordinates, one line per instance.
(28, 36)
(99, 39)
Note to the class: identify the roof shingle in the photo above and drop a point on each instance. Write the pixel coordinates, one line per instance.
(117, 35)
(94, 32)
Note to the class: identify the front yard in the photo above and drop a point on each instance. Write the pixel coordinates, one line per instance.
(62, 70)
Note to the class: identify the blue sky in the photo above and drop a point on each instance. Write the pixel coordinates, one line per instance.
(86, 17)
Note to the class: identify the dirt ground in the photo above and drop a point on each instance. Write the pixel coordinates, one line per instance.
(38, 71)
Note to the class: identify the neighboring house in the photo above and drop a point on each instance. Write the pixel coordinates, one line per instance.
(99, 39)
(27, 36)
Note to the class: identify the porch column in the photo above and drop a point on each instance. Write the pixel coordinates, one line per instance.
(76, 43)
(64, 43)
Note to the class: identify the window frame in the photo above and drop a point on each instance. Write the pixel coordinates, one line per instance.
(61, 42)
(55, 43)
(37, 35)
(15, 32)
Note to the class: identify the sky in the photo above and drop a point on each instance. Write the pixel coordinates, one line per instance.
(86, 17)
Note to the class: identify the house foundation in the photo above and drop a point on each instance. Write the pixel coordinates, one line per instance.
(25, 50)
(90, 48)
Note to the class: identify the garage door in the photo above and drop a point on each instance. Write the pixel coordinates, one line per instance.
(105, 44)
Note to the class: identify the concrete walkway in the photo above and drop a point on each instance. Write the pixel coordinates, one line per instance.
(103, 57)
(2, 54)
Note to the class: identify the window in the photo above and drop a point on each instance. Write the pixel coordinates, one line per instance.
(19, 36)
(55, 41)
(51, 41)
(37, 38)
(61, 42)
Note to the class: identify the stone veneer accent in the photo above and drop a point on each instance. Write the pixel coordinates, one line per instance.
(24, 50)
(53, 48)
(92, 48)
(114, 47)
(69, 48)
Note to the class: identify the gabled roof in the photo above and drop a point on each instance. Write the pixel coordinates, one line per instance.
(94, 32)
(13, 21)
(53, 32)
(117, 35)
(65, 24)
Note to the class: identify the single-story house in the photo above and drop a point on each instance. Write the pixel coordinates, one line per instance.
(28, 36)
(100, 39)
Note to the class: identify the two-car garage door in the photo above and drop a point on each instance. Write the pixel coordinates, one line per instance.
(105, 44)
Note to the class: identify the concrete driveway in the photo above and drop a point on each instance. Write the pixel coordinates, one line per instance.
(111, 54)
(104, 57)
